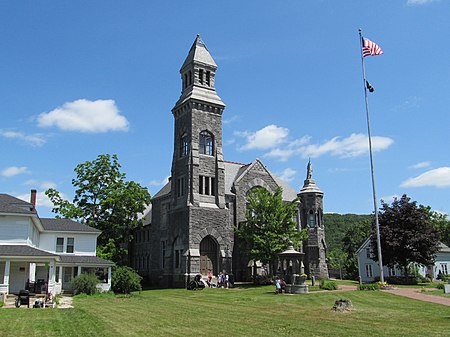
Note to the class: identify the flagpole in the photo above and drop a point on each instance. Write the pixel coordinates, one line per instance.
(377, 225)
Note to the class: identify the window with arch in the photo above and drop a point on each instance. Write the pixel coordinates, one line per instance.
(190, 77)
(206, 143)
(184, 145)
(185, 81)
(311, 219)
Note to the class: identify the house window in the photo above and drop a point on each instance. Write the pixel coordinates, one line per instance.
(200, 76)
(368, 253)
(391, 271)
(70, 245)
(207, 185)
(444, 268)
(57, 274)
(369, 272)
(208, 78)
(184, 146)
(206, 145)
(59, 245)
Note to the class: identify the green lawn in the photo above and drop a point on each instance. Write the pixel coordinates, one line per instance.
(232, 312)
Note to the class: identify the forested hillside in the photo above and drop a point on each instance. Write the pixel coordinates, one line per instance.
(337, 225)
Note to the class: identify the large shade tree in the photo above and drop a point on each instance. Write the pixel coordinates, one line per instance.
(408, 234)
(269, 226)
(106, 201)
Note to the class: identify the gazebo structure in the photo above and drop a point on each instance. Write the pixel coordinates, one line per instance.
(292, 269)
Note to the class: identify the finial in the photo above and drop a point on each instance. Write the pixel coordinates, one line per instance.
(309, 170)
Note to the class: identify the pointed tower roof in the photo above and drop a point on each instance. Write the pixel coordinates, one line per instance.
(309, 184)
(199, 54)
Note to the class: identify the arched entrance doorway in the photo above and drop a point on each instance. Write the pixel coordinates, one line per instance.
(208, 256)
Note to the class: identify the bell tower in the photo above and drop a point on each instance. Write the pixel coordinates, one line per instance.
(197, 165)
(311, 217)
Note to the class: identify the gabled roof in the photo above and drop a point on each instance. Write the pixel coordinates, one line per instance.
(10, 204)
(66, 225)
(200, 54)
(443, 248)
(289, 193)
(163, 191)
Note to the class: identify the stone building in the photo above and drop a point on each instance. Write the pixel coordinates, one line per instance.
(189, 227)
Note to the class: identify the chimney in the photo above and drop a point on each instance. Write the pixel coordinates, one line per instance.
(33, 200)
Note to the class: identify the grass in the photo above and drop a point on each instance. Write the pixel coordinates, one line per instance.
(249, 311)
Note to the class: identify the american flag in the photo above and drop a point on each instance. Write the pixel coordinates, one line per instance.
(370, 48)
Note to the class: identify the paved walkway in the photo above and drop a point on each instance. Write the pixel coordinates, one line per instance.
(416, 294)
(413, 293)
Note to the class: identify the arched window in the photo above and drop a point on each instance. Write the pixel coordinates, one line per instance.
(185, 82)
(206, 144)
(311, 219)
(190, 77)
(184, 145)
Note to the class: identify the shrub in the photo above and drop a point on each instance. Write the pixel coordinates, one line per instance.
(328, 285)
(85, 284)
(410, 280)
(443, 277)
(440, 285)
(124, 280)
(369, 286)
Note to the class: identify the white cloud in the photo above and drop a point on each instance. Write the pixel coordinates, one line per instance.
(422, 164)
(439, 177)
(288, 175)
(41, 199)
(13, 171)
(33, 140)
(390, 198)
(45, 185)
(85, 116)
(419, 2)
(355, 145)
(266, 138)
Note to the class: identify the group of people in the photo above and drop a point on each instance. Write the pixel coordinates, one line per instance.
(223, 280)
(280, 286)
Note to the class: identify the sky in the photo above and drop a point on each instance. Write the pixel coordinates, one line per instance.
(84, 78)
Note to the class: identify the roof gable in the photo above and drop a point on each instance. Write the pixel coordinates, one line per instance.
(10, 204)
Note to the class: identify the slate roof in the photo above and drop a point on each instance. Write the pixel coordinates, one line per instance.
(232, 172)
(199, 53)
(66, 225)
(23, 250)
(84, 259)
(10, 204)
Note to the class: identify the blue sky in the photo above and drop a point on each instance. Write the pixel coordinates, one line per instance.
(83, 78)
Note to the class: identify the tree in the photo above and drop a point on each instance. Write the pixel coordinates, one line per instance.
(106, 201)
(353, 238)
(408, 234)
(270, 225)
(443, 225)
(337, 259)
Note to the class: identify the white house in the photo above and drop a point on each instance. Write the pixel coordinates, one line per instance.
(369, 269)
(38, 252)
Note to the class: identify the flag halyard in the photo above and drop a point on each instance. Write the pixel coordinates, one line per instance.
(370, 48)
